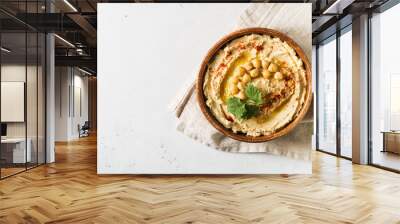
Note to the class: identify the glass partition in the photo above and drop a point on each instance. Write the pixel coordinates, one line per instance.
(326, 104)
(14, 155)
(22, 101)
(41, 107)
(346, 92)
(32, 95)
(385, 89)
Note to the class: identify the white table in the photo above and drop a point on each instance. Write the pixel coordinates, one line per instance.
(145, 53)
(18, 149)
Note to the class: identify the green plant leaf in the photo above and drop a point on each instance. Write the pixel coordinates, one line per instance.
(254, 95)
(237, 107)
(249, 108)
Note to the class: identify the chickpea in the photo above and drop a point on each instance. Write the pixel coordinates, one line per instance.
(266, 74)
(254, 73)
(273, 67)
(248, 66)
(265, 64)
(246, 78)
(241, 95)
(284, 71)
(235, 79)
(256, 63)
(240, 71)
(276, 61)
(240, 85)
(278, 76)
(234, 89)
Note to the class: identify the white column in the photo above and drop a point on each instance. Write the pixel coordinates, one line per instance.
(360, 90)
(50, 100)
(314, 89)
(50, 92)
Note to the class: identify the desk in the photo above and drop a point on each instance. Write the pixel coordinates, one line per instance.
(391, 141)
(13, 150)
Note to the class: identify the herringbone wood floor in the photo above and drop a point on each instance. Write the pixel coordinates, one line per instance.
(69, 191)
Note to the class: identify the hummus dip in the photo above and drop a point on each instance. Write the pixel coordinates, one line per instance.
(266, 63)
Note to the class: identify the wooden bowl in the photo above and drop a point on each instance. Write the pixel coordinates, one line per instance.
(219, 45)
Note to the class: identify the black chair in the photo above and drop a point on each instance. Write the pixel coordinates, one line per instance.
(84, 130)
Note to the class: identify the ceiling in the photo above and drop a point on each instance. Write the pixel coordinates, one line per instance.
(76, 22)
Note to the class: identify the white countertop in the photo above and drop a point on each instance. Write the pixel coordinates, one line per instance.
(13, 140)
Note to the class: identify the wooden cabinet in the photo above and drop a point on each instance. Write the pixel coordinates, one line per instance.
(391, 142)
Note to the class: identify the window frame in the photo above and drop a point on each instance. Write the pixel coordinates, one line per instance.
(334, 37)
(381, 9)
(27, 29)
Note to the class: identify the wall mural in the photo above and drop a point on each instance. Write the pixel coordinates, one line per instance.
(245, 89)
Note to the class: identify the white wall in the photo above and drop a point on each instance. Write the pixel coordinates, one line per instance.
(61, 103)
(17, 72)
(32, 127)
(79, 117)
(10, 73)
(69, 84)
(14, 72)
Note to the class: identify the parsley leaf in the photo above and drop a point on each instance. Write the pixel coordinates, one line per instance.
(237, 108)
(249, 108)
(254, 95)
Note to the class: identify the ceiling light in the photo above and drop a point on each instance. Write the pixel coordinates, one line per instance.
(79, 51)
(5, 50)
(70, 5)
(84, 71)
(64, 40)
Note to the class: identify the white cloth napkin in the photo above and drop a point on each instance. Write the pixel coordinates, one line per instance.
(291, 19)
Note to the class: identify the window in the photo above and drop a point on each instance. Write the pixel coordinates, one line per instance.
(346, 92)
(385, 89)
(394, 111)
(334, 109)
(326, 104)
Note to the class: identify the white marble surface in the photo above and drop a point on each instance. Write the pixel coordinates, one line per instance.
(145, 52)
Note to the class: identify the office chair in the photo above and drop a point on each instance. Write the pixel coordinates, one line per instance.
(84, 130)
